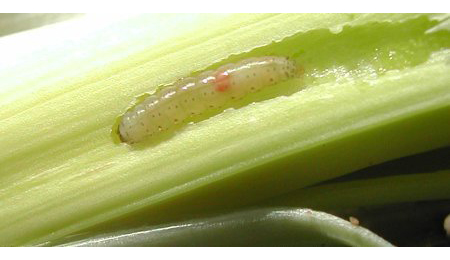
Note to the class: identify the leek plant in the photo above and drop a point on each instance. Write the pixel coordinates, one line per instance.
(375, 87)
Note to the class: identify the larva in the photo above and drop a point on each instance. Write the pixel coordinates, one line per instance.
(194, 95)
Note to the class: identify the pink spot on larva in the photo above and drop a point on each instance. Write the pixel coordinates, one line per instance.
(222, 82)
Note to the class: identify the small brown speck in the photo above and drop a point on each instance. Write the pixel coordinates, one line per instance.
(354, 220)
(447, 225)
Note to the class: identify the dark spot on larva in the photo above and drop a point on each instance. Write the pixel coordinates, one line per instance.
(233, 83)
(159, 114)
(252, 88)
(153, 115)
(175, 120)
(160, 128)
(211, 106)
(193, 99)
(176, 106)
(248, 76)
(287, 74)
(142, 123)
(254, 74)
(146, 130)
(274, 69)
(212, 92)
(168, 108)
(204, 93)
(233, 97)
(185, 101)
(271, 79)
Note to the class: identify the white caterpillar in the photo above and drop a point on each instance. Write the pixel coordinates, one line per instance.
(193, 96)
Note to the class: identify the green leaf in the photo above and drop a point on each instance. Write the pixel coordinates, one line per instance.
(262, 227)
(370, 192)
